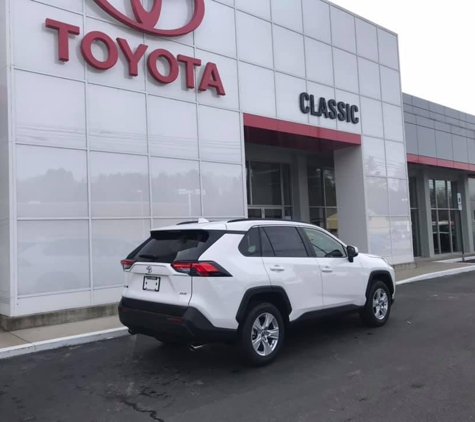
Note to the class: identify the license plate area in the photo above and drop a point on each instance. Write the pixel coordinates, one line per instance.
(151, 283)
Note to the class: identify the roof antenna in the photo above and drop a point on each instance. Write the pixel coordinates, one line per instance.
(202, 220)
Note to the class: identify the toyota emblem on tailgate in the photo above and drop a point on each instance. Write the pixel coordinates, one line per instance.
(149, 269)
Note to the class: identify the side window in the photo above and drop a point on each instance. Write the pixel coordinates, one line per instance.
(265, 245)
(324, 245)
(286, 242)
(251, 244)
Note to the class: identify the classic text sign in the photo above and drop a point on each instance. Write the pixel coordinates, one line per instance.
(329, 109)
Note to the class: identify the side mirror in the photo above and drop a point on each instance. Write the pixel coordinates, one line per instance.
(352, 252)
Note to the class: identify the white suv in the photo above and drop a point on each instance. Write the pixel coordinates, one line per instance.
(247, 281)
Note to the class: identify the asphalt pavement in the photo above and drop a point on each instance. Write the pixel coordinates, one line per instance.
(419, 367)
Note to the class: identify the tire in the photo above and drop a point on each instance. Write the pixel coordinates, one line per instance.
(374, 315)
(259, 350)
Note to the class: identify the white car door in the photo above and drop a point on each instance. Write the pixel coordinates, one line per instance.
(290, 265)
(342, 280)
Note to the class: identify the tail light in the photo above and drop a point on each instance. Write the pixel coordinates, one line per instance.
(127, 264)
(200, 269)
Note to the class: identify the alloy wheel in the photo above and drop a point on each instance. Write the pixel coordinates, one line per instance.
(265, 334)
(380, 304)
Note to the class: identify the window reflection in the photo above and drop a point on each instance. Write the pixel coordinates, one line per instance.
(446, 226)
(269, 190)
(322, 198)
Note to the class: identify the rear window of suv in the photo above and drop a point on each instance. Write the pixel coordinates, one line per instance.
(176, 245)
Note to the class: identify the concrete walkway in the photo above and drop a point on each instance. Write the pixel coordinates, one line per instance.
(20, 342)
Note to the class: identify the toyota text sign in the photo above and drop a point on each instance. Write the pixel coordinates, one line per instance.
(145, 22)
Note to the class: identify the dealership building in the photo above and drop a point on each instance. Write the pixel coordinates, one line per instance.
(117, 117)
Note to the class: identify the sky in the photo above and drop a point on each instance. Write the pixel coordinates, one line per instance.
(436, 46)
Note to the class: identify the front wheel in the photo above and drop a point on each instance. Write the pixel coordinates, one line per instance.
(378, 306)
(262, 334)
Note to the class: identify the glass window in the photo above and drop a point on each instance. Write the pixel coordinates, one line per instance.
(286, 184)
(453, 191)
(323, 245)
(179, 245)
(286, 242)
(435, 232)
(265, 245)
(441, 190)
(269, 190)
(251, 244)
(315, 187)
(266, 184)
(288, 213)
(254, 213)
(331, 221)
(317, 217)
(445, 217)
(330, 191)
(274, 213)
(248, 183)
(444, 231)
(322, 198)
(432, 193)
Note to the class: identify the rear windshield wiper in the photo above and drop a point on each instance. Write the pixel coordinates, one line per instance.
(146, 256)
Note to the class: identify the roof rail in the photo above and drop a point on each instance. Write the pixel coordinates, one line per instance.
(239, 220)
(199, 221)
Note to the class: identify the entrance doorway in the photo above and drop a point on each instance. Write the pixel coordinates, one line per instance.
(269, 190)
(446, 226)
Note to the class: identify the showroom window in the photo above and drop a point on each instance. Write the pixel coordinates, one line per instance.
(268, 190)
(446, 230)
(416, 236)
(322, 198)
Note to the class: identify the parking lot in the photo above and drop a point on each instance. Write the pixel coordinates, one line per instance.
(420, 367)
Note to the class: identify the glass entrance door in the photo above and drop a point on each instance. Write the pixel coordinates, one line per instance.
(268, 190)
(446, 225)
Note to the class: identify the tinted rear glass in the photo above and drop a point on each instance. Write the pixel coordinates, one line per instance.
(179, 245)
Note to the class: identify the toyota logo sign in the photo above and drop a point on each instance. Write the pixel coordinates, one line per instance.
(146, 21)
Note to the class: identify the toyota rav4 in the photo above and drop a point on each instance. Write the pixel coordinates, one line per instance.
(247, 282)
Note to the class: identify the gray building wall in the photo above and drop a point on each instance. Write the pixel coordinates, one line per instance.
(433, 130)
(436, 131)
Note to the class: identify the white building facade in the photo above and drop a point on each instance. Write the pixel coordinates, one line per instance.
(117, 117)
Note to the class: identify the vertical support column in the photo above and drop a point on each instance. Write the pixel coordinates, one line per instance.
(351, 199)
(300, 187)
(466, 213)
(425, 215)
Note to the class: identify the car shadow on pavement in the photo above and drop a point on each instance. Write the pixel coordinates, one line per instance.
(306, 338)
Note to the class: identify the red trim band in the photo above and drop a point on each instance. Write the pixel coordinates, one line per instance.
(437, 162)
(260, 122)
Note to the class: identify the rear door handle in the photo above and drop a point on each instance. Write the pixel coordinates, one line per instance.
(277, 269)
(327, 269)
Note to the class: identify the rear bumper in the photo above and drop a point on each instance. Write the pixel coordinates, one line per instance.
(170, 322)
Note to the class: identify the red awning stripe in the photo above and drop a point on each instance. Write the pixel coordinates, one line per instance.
(260, 122)
(437, 162)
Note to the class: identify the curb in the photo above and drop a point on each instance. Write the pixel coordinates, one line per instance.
(56, 343)
(438, 274)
